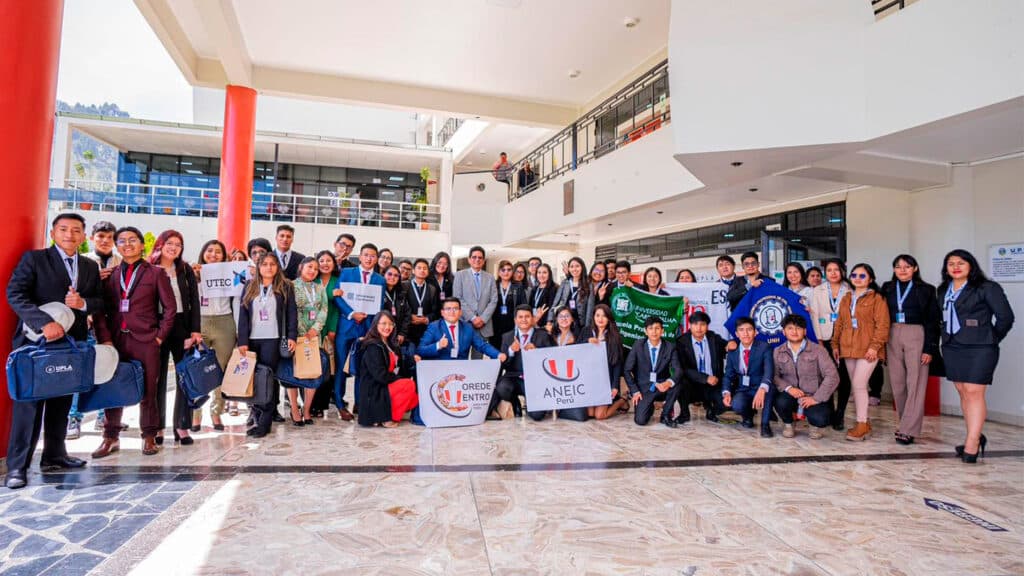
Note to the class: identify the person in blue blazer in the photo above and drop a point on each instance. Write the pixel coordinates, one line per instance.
(748, 378)
(352, 325)
(438, 341)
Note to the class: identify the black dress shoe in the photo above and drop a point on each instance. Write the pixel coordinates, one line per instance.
(669, 422)
(278, 417)
(52, 464)
(683, 418)
(159, 440)
(766, 431)
(711, 416)
(16, 479)
(747, 423)
(195, 428)
(839, 426)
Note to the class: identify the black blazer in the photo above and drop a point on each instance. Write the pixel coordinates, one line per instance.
(40, 278)
(545, 298)
(374, 377)
(923, 295)
(402, 314)
(447, 287)
(516, 297)
(513, 365)
(738, 289)
(189, 288)
(291, 271)
(291, 317)
(688, 359)
(431, 308)
(974, 308)
(638, 365)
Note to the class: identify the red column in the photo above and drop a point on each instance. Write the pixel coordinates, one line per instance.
(28, 66)
(234, 208)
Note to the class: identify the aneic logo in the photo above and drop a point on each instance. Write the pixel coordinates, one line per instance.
(571, 373)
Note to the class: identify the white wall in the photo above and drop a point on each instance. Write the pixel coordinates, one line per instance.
(313, 118)
(876, 227)
(477, 215)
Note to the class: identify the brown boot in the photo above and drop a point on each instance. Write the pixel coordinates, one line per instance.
(107, 447)
(860, 432)
(149, 446)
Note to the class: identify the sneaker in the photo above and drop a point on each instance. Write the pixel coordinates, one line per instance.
(859, 433)
(874, 401)
(100, 423)
(815, 433)
(787, 431)
(74, 429)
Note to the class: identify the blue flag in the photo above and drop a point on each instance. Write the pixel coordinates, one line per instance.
(768, 304)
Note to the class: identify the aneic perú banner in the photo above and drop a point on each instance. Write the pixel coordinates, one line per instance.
(455, 392)
(575, 376)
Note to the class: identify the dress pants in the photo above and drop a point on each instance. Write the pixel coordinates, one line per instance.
(819, 415)
(219, 334)
(841, 397)
(173, 347)
(268, 353)
(28, 419)
(341, 349)
(908, 377)
(743, 403)
(645, 408)
(148, 353)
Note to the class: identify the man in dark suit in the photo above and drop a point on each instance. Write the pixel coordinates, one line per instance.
(289, 259)
(133, 323)
(749, 370)
(55, 274)
(752, 278)
(702, 357)
(649, 369)
(423, 301)
(510, 385)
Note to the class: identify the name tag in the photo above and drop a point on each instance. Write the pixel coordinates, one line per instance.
(901, 318)
(124, 305)
(821, 320)
(971, 322)
(504, 310)
(572, 304)
(654, 377)
(454, 353)
(853, 323)
(264, 315)
(746, 380)
(312, 315)
(205, 302)
(394, 311)
(419, 311)
(834, 316)
(442, 295)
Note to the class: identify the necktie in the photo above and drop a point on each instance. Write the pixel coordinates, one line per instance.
(451, 328)
(746, 359)
(524, 337)
(654, 361)
(71, 271)
(476, 278)
(366, 276)
(284, 260)
(700, 361)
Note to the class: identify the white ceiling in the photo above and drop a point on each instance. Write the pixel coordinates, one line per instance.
(521, 49)
(497, 138)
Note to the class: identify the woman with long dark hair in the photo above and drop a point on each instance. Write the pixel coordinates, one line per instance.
(441, 276)
(603, 332)
(166, 254)
(652, 282)
(686, 276)
(976, 316)
(384, 259)
(394, 301)
(519, 275)
(913, 342)
(383, 397)
(510, 295)
(600, 286)
(565, 332)
(861, 333)
(327, 268)
(541, 297)
(574, 293)
(825, 300)
(796, 281)
(218, 328)
(267, 314)
(311, 306)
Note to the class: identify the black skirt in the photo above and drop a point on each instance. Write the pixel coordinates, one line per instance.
(970, 364)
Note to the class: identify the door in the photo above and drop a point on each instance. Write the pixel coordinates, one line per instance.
(779, 248)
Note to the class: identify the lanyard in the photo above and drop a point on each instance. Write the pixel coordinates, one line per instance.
(853, 304)
(901, 296)
(419, 296)
(71, 264)
(310, 291)
(834, 302)
(573, 289)
(654, 355)
(537, 295)
(390, 296)
(264, 291)
(504, 295)
(133, 270)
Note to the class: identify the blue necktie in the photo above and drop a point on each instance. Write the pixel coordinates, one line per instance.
(700, 361)
(654, 361)
(476, 278)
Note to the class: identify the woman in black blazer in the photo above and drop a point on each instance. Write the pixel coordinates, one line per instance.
(542, 296)
(601, 330)
(511, 295)
(970, 339)
(268, 306)
(441, 276)
(913, 342)
(186, 333)
(383, 397)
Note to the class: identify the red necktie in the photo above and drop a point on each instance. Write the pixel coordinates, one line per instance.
(455, 340)
(124, 293)
(746, 358)
(524, 337)
(365, 275)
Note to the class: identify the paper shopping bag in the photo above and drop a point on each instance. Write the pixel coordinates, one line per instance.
(239, 374)
(307, 358)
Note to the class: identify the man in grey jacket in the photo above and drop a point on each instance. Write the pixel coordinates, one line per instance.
(476, 289)
(805, 377)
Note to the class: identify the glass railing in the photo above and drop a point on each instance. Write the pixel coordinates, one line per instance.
(625, 117)
(132, 198)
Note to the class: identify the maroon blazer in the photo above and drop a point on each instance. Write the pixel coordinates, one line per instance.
(143, 320)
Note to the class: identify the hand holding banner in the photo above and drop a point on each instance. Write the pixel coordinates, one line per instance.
(363, 298)
(708, 297)
(455, 392)
(563, 377)
(632, 307)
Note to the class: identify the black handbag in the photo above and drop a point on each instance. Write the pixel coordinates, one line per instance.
(283, 344)
(263, 384)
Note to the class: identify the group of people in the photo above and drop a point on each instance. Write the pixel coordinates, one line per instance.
(152, 308)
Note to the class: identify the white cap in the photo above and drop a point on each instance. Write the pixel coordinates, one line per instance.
(106, 363)
(60, 313)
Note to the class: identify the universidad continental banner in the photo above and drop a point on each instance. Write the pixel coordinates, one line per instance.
(632, 307)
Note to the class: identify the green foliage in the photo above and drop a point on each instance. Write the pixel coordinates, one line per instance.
(425, 174)
(148, 241)
(83, 248)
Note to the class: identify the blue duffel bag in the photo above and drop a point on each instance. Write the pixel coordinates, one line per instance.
(199, 373)
(286, 373)
(126, 388)
(51, 369)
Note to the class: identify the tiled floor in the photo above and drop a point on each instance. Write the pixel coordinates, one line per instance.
(519, 497)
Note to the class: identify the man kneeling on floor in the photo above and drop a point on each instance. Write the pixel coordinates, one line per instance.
(748, 378)
(649, 369)
(805, 377)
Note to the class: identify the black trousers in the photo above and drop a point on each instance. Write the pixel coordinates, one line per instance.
(174, 348)
(28, 419)
(268, 353)
(819, 415)
(876, 382)
(743, 403)
(841, 397)
(645, 408)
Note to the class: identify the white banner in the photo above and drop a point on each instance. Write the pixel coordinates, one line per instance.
(563, 377)
(361, 297)
(708, 297)
(224, 279)
(455, 392)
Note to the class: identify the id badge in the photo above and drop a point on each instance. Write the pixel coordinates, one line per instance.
(124, 305)
(264, 315)
(746, 380)
(454, 353)
(834, 317)
(853, 323)
(821, 320)
(205, 302)
(534, 311)
(901, 318)
(419, 311)
(394, 311)
(312, 315)
(654, 377)
(572, 304)
(442, 295)
(504, 310)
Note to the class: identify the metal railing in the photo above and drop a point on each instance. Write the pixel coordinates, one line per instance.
(883, 8)
(132, 198)
(626, 116)
(451, 126)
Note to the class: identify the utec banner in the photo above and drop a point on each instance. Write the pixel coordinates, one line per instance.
(363, 298)
(563, 377)
(455, 392)
(708, 297)
(224, 279)
(632, 307)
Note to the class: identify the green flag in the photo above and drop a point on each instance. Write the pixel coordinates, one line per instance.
(632, 307)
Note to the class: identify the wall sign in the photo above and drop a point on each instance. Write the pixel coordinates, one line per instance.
(1006, 262)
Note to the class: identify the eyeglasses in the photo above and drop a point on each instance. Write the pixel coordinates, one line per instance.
(858, 276)
(505, 270)
(750, 263)
(450, 309)
(476, 257)
(128, 242)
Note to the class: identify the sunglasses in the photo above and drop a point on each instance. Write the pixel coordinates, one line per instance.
(858, 276)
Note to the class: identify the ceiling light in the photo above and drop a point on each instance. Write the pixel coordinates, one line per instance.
(751, 189)
(189, 171)
(630, 22)
(729, 235)
(396, 178)
(737, 164)
(574, 73)
(795, 240)
(834, 220)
